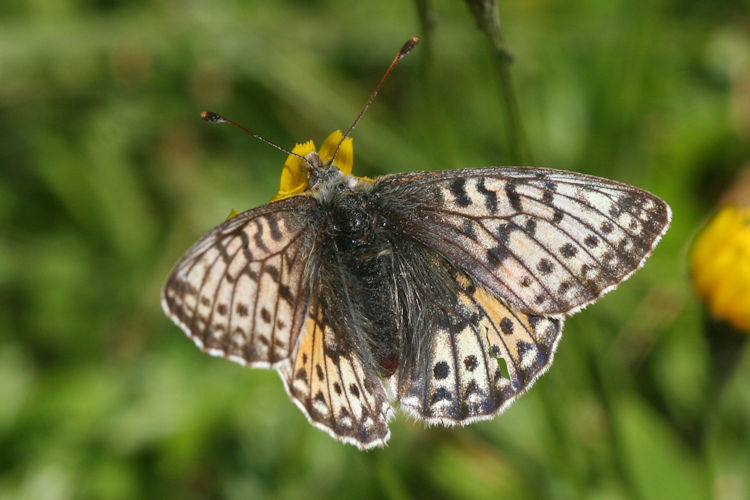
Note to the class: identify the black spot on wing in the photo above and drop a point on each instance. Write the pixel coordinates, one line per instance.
(506, 325)
(223, 252)
(441, 394)
(258, 237)
(547, 197)
(441, 370)
(265, 315)
(490, 197)
(286, 294)
(513, 196)
(274, 227)
(591, 241)
(272, 270)
(503, 233)
(458, 190)
(568, 250)
(354, 390)
(245, 244)
(545, 266)
(467, 228)
(497, 255)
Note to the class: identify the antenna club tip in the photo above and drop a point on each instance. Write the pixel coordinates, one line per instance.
(408, 46)
(212, 117)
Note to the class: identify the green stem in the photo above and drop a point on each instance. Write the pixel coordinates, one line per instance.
(427, 18)
(487, 16)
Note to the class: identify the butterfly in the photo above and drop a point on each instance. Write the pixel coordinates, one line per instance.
(443, 292)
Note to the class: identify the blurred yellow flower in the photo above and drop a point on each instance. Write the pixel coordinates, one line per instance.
(294, 174)
(720, 266)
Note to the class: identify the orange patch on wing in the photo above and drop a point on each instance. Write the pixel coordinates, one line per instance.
(491, 305)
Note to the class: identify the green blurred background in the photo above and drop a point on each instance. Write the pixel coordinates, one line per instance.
(108, 176)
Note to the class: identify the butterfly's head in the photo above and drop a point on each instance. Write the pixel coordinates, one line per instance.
(307, 168)
(320, 173)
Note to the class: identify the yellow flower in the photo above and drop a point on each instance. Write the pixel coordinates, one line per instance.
(294, 174)
(720, 266)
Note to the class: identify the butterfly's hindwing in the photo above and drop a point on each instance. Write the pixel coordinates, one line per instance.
(548, 242)
(334, 389)
(241, 291)
(480, 358)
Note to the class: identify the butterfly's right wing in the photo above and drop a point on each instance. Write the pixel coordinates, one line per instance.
(546, 241)
(241, 291)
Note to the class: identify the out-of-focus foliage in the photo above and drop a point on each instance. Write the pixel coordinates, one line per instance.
(108, 176)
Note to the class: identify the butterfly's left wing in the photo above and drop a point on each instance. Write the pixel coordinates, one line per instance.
(242, 291)
(481, 355)
(548, 242)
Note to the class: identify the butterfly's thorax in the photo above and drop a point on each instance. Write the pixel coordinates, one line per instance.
(350, 219)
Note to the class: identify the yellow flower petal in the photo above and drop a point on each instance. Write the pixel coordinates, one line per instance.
(720, 265)
(344, 160)
(294, 174)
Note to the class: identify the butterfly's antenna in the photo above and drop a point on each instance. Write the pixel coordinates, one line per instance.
(407, 47)
(212, 117)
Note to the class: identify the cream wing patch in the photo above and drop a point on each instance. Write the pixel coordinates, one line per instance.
(240, 292)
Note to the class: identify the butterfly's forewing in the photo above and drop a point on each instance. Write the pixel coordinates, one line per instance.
(240, 292)
(546, 241)
(480, 358)
(334, 389)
